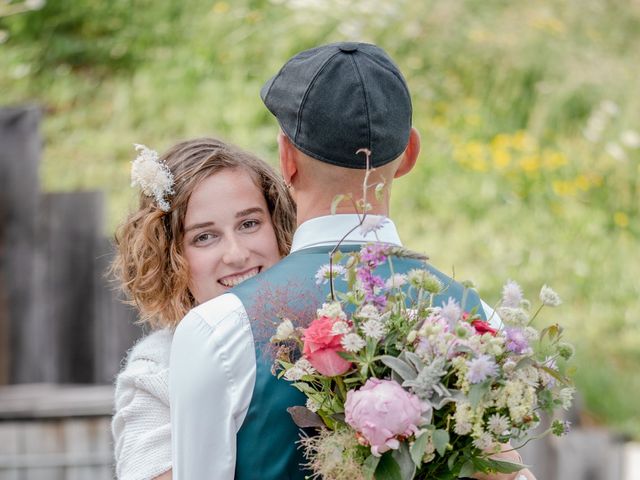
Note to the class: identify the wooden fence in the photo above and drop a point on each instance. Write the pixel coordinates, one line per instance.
(60, 318)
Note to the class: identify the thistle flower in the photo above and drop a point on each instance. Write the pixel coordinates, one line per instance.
(372, 223)
(513, 316)
(451, 312)
(549, 297)
(565, 350)
(481, 368)
(152, 176)
(511, 294)
(516, 340)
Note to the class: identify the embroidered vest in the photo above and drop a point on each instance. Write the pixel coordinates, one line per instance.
(267, 447)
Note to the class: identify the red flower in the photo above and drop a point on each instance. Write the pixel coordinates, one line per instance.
(321, 347)
(483, 327)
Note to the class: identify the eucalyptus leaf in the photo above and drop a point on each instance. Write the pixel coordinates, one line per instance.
(398, 366)
(503, 466)
(477, 391)
(418, 448)
(451, 462)
(440, 441)
(467, 470)
(402, 456)
(388, 468)
(369, 467)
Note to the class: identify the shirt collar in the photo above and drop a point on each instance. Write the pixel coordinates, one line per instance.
(329, 229)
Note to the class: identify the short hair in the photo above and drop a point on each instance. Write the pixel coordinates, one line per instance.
(149, 263)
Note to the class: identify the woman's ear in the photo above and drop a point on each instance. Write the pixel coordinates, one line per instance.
(288, 158)
(410, 155)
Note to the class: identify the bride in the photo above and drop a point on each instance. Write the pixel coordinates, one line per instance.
(210, 216)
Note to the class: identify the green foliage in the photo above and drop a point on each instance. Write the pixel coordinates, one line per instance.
(507, 184)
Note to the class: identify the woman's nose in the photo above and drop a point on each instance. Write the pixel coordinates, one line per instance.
(236, 253)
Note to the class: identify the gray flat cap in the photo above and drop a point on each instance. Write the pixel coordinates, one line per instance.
(335, 99)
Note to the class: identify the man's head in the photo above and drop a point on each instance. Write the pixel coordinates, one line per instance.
(332, 101)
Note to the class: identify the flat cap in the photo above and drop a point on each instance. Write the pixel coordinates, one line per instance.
(335, 99)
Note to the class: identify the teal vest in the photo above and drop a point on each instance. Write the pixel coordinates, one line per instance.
(267, 447)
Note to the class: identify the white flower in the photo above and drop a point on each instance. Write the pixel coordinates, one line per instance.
(152, 176)
(483, 442)
(372, 223)
(463, 417)
(549, 297)
(566, 397)
(498, 424)
(616, 151)
(322, 275)
(312, 405)
(396, 280)
(284, 331)
(353, 342)
(305, 365)
(630, 139)
(340, 328)
(373, 329)
(610, 107)
(368, 311)
(511, 294)
(332, 310)
(513, 316)
(294, 374)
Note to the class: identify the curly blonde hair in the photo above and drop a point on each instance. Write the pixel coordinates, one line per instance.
(149, 262)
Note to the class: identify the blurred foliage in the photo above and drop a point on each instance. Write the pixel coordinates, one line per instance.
(529, 114)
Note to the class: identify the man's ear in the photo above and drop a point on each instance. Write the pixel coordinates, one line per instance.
(410, 155)
(288, 158)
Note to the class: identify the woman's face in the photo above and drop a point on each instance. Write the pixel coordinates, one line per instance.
(228, 234)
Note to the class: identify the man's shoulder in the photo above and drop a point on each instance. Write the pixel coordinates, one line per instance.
(217, 310)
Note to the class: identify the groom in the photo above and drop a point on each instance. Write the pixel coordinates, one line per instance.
(229, 417)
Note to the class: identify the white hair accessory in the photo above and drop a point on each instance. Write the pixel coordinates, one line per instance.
(154, 177)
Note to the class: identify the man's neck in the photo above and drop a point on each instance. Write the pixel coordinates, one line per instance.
(307, 212)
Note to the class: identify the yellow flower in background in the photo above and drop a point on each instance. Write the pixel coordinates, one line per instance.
(530, 163)
(554, 160)
(621, 219)
(220, 7)
(501, 141)
(501, 159)
(582, 182)
(563, 188)
(522, 141)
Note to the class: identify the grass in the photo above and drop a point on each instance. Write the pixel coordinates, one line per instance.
(505, 96)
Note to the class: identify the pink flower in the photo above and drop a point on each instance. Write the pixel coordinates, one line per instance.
(321, 347)
(381, 411)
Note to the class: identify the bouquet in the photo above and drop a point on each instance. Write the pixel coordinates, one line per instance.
(400, 387)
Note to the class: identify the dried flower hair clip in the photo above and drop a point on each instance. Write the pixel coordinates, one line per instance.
(152, 176)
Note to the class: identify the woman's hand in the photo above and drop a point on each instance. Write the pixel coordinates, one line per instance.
(508, 454)
(165, 476)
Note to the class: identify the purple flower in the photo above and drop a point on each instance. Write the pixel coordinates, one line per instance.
(373, 254)
(516, 340)
(374, 287)
(481, 368)
(451, 312)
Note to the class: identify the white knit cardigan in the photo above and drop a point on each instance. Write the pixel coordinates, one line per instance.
(141, 422)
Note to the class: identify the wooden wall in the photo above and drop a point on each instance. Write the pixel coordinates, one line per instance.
(60, 319)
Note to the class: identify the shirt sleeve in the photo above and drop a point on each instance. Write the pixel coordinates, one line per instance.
(212, 373)
(140, 425)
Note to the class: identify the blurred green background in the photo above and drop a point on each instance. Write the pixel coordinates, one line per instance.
(529, 114)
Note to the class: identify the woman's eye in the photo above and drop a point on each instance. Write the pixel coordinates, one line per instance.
(203, 238)
(250, 224)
